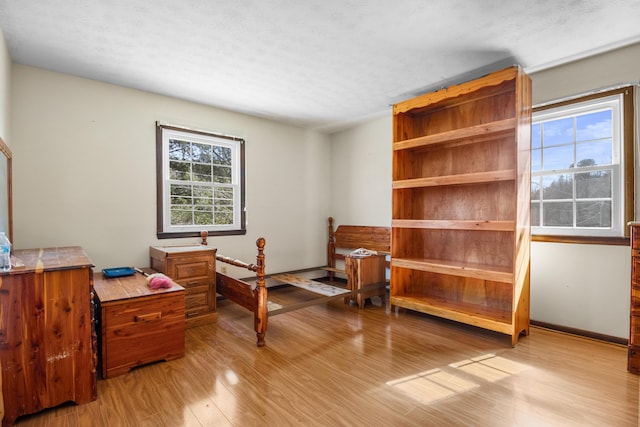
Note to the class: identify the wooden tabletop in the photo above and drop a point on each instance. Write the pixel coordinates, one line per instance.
(47, 259)
(127, 287)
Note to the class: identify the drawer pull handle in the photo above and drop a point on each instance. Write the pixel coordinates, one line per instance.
(192, 313)
(148, 317)
(194, 282)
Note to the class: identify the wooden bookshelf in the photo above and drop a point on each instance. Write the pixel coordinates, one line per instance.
(461, 203)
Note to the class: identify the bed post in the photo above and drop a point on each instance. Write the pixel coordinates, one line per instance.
(261, 314)
(331, 250)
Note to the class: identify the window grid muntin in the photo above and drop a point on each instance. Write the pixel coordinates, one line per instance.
(613, 103)
(229, 211)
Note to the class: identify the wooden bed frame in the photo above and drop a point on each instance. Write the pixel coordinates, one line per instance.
(351, 237)
(253, 296)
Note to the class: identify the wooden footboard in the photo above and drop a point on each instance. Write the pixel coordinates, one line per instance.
(251, 297)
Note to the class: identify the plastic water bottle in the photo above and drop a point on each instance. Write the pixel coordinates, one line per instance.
(5, 253)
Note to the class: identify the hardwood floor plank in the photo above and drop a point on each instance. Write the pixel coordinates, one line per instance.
(337, 365)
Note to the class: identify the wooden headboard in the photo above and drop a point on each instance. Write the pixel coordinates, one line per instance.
(351, 237)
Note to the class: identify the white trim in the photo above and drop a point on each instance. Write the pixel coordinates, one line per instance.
(616, 104)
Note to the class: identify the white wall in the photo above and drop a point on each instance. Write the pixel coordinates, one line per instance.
(84, 173)
(584, 286)
(578, 286)
(5, 79)
(361, 174)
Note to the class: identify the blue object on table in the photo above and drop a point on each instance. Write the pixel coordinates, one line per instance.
(118, 272)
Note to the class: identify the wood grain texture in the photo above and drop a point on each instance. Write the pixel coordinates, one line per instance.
(633, 359)
(336, 365)
(347, 238)
(47, 345)
(461, 208)
(194, 268)
(138, 325)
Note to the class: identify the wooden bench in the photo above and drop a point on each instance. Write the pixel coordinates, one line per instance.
(347, 238)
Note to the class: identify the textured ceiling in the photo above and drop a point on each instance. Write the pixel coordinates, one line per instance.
(316, 63)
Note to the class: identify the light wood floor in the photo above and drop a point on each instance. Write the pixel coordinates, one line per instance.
(335, 365)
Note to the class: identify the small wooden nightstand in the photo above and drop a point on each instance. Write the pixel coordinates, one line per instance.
(138, 325)
(193, 267)
(368, 271)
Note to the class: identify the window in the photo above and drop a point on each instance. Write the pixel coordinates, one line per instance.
(582, 166)
(200, 183)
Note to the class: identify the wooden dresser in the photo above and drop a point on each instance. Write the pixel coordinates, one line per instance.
(49, 302)
(194, 268)
(137, 325)
(633, 362)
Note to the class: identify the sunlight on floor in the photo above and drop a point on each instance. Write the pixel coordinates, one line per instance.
(436, 384)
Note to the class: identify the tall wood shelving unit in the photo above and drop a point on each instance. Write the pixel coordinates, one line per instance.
(461, 203)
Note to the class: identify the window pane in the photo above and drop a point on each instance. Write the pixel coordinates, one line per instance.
(557, 132)
(594, 126)
(593, 214)
(592, 185)
(536, 160)
(179, 150)
(558, 214)
(222, 174)
(536, 136)
(535, 214)
(201, 153)
(201, 191)
(224, 217)
(203, 203)
(222, 156)
(181, 217)
(201, 173)
(180, 190)
(557, 187)
(223, 193)
(595, 153)
(203, 218)
(180, 171)
(535, 189)
(558, 158)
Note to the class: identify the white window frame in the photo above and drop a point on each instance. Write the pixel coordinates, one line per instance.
(618, 225)
(236, 145)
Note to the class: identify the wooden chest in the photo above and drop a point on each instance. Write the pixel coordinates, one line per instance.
(193, 267)
(138, 325)
(47, 335)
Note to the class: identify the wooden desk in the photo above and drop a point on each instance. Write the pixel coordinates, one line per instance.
(369, 271)
(137, 325)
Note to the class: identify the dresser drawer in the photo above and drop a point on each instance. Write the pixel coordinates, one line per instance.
(195, 267)
(198, 302)
(635, 299)
(634, 336)
(142, 311)
(635, 269)
(142, 330)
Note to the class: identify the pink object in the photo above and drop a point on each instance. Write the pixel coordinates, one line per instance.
(159, 281)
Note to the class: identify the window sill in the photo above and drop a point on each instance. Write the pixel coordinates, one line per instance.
(166, 235)
(585, 240)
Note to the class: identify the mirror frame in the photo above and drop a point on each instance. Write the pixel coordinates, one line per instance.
(4, 148)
